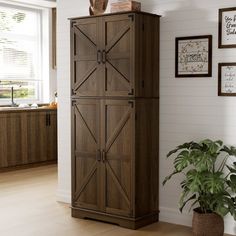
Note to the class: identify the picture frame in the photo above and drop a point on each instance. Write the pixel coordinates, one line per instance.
(227, 79)
(193, 56)
(227, 28)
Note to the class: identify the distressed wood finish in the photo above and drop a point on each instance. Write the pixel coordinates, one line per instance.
(118, 120)
(118, 54)
(146, 162)
(147, 56)
(27, 137)
(86, 154)
(115, 56)
(114, 159)
(115, 123)
(85, 66)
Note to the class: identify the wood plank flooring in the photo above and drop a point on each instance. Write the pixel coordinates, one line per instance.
(28, 207)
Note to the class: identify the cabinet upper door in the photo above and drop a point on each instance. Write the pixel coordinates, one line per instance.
(85, 154)
(85, 57)
(118, 42)
(118, 142)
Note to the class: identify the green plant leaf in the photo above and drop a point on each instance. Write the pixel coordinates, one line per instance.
(208, 184)
(193, 179)
(182, 160)
(219, 142)
(215, 182)
(231, 169)
(223, 211)
(185, 202)
(203, 162)
(230, 150)
(167, 178)
(180, 147)
(233, 179)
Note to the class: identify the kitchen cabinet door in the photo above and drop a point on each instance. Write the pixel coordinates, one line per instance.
(86, 159)
(118, 119)
(51, 123)
(86, 58)
(37, 137)
(118, 55)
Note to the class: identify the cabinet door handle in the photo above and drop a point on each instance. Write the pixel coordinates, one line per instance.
(98, 155)
(99, 55)
(104, 56)
(49, 120)
(103, 156)
(131, 92)
(46, 119)
(131, 103)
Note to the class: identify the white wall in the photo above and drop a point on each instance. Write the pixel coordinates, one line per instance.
(189, 108)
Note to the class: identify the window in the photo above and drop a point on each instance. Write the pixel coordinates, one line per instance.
(20, 53)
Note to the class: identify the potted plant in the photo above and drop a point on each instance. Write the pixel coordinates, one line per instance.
(209, 183)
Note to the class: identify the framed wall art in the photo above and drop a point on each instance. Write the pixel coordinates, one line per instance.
(227, 79)
(227, 28)
(193, 56)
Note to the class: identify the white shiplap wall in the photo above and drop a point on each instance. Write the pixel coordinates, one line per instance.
(189, 108)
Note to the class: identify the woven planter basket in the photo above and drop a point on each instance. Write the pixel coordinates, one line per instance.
(209, 224)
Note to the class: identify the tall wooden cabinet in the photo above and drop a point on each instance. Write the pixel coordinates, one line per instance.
(115, 117)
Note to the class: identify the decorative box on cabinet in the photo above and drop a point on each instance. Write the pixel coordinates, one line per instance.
(115, 118)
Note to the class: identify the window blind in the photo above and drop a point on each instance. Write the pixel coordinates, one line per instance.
(20, 51)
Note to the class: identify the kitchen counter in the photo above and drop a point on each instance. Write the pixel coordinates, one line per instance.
(19, 109)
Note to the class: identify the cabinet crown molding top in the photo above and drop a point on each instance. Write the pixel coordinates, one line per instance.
(116, 13)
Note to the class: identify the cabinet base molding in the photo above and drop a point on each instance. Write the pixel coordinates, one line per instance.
(130, 223)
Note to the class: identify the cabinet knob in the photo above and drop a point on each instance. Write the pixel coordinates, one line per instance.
(103, 156)
(99, 56)
(131, 92)
(131, 103)
(104, 56)
(98, 155)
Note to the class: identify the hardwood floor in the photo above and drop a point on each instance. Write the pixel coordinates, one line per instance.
(28, 207)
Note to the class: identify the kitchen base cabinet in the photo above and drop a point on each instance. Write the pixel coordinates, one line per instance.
(27, 137)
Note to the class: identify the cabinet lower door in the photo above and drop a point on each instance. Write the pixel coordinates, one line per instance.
(36, 133)
(52, 136)
(86, 154)
(11, 142)
(118, 118)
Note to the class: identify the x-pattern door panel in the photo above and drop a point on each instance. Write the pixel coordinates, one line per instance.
(118, 41)
(86, 154)
(85, 69)
(118, 144)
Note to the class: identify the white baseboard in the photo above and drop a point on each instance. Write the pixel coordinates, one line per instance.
(63, 196)
(175, 217)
